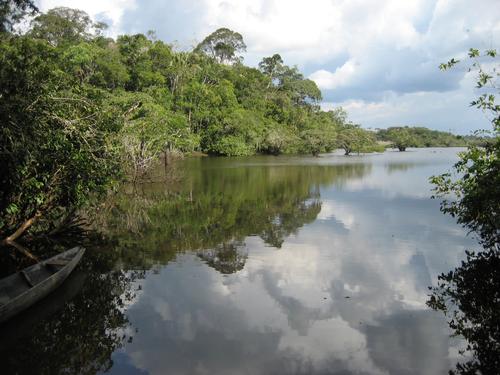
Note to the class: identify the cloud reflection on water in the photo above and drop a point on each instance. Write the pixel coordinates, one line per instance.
(344, 295)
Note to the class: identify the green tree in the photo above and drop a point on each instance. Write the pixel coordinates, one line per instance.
(64, 25)
(420, 136)
(98, 64)
(302, 91)
(320, 135)
(149, 129)
(475, 192)
(250, 87)
(470, 294)
(277, 139)
(353, 138)
(135, 52)
(271, 67)
(55, 150)
(400, 138)
(223, 45)
(241, 134)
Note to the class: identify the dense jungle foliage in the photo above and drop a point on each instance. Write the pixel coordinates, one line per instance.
(78, 110)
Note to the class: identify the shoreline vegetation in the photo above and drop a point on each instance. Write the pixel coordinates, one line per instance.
(80, 111)
(469, 294)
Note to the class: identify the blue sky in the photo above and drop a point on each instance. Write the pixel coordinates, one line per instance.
(376, 58)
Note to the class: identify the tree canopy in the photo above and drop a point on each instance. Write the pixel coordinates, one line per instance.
(223, 45)
(65, 25)
(400, 137)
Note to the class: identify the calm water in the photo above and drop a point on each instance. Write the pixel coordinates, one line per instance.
(261, 265)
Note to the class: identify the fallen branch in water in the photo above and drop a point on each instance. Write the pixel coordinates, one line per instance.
(22, 250)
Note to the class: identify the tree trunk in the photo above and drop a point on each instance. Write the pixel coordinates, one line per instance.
(22, 250)
(23, 228)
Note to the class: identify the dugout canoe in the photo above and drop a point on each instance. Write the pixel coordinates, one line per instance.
(22, 289)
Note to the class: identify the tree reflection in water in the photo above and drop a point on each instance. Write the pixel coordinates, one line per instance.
(470, 297)
(226, 258)
(149, 227)
(72, 334)
(216, 207)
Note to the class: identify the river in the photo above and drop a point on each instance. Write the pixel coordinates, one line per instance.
(259, 265)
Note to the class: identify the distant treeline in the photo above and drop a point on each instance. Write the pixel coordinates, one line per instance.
(423, 137)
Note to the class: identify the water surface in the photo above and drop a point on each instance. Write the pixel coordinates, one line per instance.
(269, 265)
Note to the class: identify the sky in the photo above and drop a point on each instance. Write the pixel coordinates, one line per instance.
(376, 58)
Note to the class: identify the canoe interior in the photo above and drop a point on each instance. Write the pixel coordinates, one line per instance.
(21, 282)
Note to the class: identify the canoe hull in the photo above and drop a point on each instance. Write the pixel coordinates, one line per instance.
(42, 288)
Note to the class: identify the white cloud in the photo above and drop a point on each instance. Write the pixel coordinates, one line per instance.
(341, 77)
(282, 26)
(448, 111)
